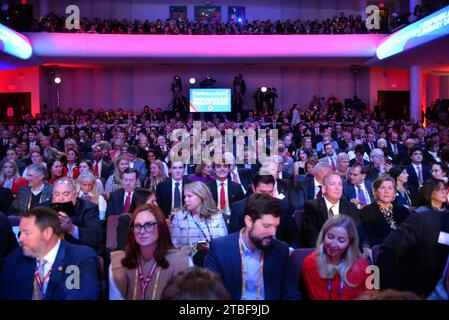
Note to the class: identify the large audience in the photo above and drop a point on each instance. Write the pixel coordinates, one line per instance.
(341, 189)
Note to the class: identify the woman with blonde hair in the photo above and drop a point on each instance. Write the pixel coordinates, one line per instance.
(199, 221)
(156, 175)
(203, 172)
(10, 177)
(114, 181)
(336, 269)
(87, 190)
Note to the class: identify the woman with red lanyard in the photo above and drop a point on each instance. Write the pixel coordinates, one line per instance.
(10, 178)
(336, 269)
(149, 261)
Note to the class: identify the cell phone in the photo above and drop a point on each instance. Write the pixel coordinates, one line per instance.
(201, 245)
(67, 207)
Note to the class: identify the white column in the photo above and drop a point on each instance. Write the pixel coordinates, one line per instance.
(444, 87)
(415, 93)
(412, 5)
(43, 8)
(362, 7)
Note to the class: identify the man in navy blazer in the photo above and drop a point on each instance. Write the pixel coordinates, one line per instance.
(268, 276)
(357, 176)
(70, 271)
(416, 165)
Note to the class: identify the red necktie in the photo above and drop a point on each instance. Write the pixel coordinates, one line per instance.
(222, 197)
(96, 168)
(127, 203)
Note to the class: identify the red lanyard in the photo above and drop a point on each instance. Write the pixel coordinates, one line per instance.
(145, 282)
(40, 282)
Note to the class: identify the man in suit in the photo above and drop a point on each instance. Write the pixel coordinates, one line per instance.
(417, 173)
(35, 193)
(287, 230)
(136, 163)
(255, 253)
(358, 190)
(330, 156)
(169, 193)
(413, 257)
(102, 167)
(395, 148)
(7, 239)
(359, 152)
(241, 176)
(120, 200)
(4, 143)
(224, 191)
(312, 187)
(6, 198)
(378, 165)
(370, 144)
(83, 227)
(46, 267)
(317, 211)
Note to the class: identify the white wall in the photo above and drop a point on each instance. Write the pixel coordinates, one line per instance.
(135, 87)
(255, 9)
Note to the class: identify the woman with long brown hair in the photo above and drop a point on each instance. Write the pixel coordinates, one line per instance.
(149, 261)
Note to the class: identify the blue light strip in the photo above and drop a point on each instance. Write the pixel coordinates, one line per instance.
(418, 33)
(15, 44)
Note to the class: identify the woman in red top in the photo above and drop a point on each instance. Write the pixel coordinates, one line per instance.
(10, 178)
(57, 170)
(336, 269)
(72, 166)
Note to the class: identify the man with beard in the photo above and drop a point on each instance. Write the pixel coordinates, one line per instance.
(252, 263)
(43, 268)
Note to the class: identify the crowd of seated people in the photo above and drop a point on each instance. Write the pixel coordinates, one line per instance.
(338, 24)
(375, 191)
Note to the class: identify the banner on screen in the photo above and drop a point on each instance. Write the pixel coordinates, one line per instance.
(210, 100)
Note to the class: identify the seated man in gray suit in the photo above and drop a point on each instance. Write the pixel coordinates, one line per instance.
(35, 193)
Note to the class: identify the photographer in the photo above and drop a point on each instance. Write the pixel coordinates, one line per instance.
(238, 93)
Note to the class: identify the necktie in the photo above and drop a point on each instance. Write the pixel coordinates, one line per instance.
(234, 177)
(395, 149)
(319, 193)
(96, 168)
(420, 176)
(222, 197)
(333, 164)
(361, 196)
(177, 198)
(127, 203)
(40, 280)
(331, 212)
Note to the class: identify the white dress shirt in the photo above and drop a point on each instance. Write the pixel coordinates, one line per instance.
(227, 211)
(335, 207)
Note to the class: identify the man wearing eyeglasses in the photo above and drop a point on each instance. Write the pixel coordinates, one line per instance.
(83, 225)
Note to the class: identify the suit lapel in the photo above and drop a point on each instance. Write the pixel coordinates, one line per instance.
(268, 271)
(57, 273)
(323, 210)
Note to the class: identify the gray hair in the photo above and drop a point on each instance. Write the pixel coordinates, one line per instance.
(38, 168)
(68, 181)
(376, 152)
(321, 165)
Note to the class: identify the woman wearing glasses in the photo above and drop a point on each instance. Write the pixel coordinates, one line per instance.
(432, 196)
(149, 260)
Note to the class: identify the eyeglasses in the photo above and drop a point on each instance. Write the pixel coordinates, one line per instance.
(147, 227)
(441, 189)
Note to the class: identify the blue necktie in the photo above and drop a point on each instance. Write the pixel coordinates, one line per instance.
(177, 200)
(361, 196)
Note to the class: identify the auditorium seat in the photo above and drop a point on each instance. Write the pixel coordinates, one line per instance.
(296, 259)
(111, 232)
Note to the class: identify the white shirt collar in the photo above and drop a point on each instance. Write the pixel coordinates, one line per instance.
(51, 256)
(315, 182)
(38, 191)
(336, 207)
(225, 183)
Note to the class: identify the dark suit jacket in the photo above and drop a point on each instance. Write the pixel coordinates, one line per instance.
(86, 218)
(413, 182)
(246, 177)
(308, 187)
(402, 153)
(20, 203)
(116, 203)
(235, 192)
(315, 215)
(411, 257)
(365, 162)
(164, 194)
(16, 281)
(350, 191)
(287, 230)
(375, 226)
(8, 241)
(224, 258)
(6, 199)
